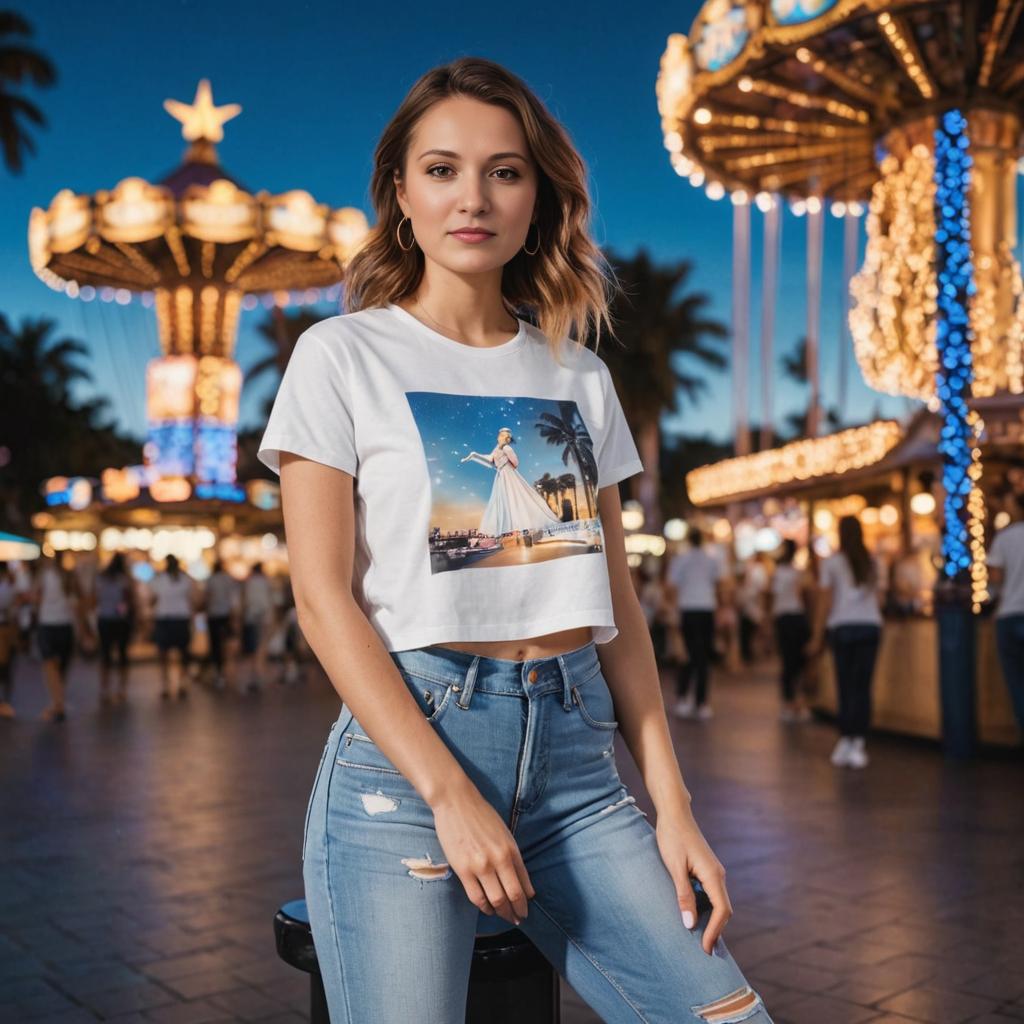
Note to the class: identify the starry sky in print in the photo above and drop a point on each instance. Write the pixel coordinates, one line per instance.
(451, 426)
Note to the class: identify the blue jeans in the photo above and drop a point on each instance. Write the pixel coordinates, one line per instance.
(854, 652)
(536, 738)
(1010, 644)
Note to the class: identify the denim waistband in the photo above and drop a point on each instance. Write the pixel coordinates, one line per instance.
(471, 672)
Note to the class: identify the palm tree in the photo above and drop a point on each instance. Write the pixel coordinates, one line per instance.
(665, 342)
(19, 63)
(44, 431)
(568, 431)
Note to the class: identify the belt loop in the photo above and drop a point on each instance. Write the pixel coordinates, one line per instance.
(470, 683)
(566, 685)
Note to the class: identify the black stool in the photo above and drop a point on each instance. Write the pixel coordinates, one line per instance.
(509, 981)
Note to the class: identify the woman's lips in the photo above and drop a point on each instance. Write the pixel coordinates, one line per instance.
(472, 236)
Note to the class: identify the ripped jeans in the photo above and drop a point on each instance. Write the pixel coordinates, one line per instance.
(392, 924)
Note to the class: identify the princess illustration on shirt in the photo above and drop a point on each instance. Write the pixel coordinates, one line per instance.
(514, 504)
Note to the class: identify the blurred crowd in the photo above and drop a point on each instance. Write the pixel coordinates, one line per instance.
(706, 609)
(224, 632)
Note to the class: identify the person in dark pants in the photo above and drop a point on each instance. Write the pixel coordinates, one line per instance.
(849, 607)
(222, 598)
(694, 574)
(113, 602)
(1006, 570)
(789, 598)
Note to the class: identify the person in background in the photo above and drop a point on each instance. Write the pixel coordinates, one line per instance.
(291, 673)
(789, 598)
(650, 592)
(59, 607)
(1006, 571)
(751, 600)
(9, 599)
(257, 619)
(695, 577)
(175, 599)
(113, 601)
(223, 604)
(849, 608)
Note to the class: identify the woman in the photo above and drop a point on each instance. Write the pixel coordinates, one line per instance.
(257, 621)
(514, 504)
(9, 599)
(174, 598)
(849, 607)
(113, 600)
(789, 597)
(57, 600)
(470, 774)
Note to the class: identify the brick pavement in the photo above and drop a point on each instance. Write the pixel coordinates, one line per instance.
(144, 850)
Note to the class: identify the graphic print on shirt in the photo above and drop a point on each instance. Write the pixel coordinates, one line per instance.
(513, 480)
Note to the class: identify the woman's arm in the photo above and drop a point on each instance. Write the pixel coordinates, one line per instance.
(319, 520)
(629, 666)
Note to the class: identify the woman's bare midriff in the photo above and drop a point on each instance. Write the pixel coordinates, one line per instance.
(546, 646)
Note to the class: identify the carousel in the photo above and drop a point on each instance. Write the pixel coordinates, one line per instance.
(907, 115)
(199, 248)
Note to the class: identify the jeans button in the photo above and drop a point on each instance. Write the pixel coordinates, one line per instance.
(532, 676)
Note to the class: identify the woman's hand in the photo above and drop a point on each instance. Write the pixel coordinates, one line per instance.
(813, 647)
(481, 851)
(685, 852)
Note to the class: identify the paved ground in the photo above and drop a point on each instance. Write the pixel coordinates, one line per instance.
(144, 850)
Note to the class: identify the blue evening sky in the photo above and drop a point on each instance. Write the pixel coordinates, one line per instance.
(317, 82)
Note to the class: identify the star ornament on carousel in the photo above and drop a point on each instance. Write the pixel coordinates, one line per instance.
(200, 119)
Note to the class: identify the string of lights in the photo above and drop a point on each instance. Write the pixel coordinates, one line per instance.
(963, 530)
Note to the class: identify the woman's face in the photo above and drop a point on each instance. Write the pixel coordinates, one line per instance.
(483, 178)
(504, 437)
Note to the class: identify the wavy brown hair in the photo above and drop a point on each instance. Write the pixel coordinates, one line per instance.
(567, 285)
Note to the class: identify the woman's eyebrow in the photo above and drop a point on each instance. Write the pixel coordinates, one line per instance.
(455, 156)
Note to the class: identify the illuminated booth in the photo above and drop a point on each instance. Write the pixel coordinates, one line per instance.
(890, 477)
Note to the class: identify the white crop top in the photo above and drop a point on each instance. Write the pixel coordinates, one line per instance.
(461, 535)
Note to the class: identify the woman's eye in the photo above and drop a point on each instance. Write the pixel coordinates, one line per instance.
(501, 170)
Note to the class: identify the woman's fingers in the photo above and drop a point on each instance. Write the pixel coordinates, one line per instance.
(687, 903)
(476, 894)
(497, 897)
(721, 911)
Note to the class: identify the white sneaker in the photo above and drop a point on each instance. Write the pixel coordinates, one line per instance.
(684, 708)
(841, 752)
(858, 756)
(704, 712)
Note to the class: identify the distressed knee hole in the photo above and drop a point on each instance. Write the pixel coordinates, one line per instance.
(379, 803)
(736, 1006)
(425, 869)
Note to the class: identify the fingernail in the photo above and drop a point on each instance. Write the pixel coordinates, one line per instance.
(518, 922)
(688, 918)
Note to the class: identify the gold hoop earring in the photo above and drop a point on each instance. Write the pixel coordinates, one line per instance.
(398, 235)
(536, 248)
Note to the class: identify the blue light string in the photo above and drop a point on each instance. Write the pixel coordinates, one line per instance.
(953, 336)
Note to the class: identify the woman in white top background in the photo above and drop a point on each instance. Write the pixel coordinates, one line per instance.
(471, 773)
(790, 595)
(849, 608)
(59, 608)
(175, 598)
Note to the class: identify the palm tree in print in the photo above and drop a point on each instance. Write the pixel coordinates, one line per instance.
(568, 431)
